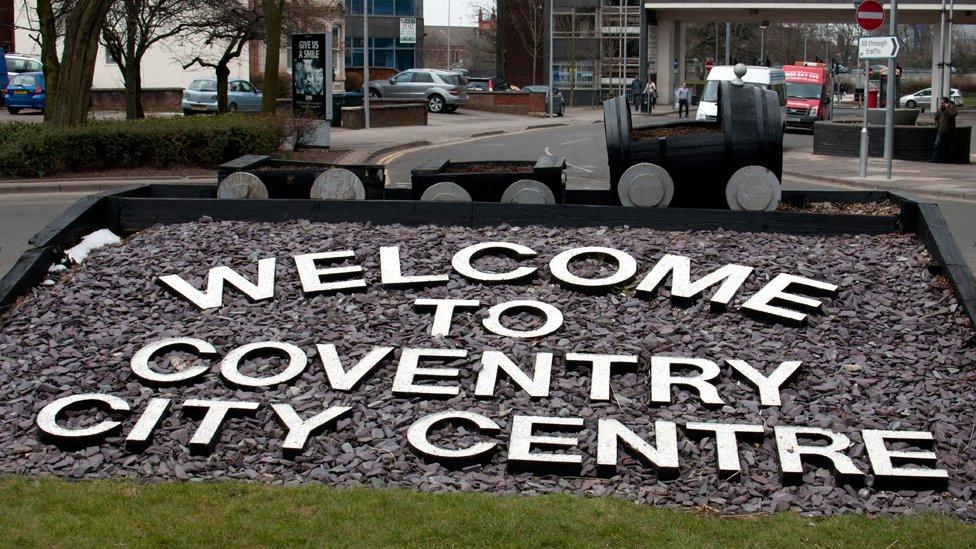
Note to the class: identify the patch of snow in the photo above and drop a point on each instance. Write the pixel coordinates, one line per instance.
(95, 240)
(57, 267)
(47, 282)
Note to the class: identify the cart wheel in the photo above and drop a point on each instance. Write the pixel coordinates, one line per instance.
(528, 191)
(445, 191)
(645, 186)
(242, 185)
(337, 184)
(753, 188)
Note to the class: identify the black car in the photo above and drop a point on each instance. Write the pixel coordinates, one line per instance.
(487, 83)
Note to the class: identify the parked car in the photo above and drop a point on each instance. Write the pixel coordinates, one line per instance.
(924, 98)
(444, 91)
(487, 83)
(560, 102)
(25, 91)
(201, 96)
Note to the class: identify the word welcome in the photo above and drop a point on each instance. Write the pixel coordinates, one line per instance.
(769, 301)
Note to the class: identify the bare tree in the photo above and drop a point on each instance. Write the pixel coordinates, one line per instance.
(131, 27)
(227, 23)
(528, 18)
(73, 25)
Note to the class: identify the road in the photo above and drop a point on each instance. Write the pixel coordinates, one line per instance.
(23, 215)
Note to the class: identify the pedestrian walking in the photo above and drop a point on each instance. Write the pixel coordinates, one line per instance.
(682, 97)
(636, 93)
(945, 149)
(650, 95)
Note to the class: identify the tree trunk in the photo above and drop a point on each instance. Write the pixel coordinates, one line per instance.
(49, 48)
(69, 104)
(535, 59)
(133, 89)
(500, 25)
(223, 73)
(272, 49)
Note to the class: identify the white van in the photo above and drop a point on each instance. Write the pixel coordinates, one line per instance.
(773, 79)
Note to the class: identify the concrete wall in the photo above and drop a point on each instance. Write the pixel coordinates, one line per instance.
(386, 114)
(519, 103)
(911, 142)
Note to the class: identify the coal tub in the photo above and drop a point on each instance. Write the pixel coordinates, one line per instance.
(736, 162)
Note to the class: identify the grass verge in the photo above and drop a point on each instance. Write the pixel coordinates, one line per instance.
(49, 512)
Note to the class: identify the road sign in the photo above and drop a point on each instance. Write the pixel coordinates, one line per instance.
(675, 63)
(877, 47)
(870, 15)
(709, 65)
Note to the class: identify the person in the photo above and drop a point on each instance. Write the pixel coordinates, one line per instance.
(298, 76)
(944, 149)
(650, 95)
(636, 95)
(683, 99)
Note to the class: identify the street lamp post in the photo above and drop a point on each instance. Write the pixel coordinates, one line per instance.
(889, 142)
(762, 41)
(366, 64)
(552, 66)
(448, 34)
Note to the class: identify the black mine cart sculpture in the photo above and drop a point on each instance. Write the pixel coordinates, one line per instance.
(736, 162)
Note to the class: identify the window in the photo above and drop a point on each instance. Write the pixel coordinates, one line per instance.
(423, 77)
(204, 85)
(402, 78)
(578, 76)
(381, 7)
(405, 7)
(23, 80)
(19, 64)
(451, 79)
(246, 87)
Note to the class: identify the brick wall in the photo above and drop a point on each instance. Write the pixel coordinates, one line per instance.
(384, 115)
(520, 103)
(153, 100)
(910, 143)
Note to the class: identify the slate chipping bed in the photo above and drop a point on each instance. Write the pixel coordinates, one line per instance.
(892, 318)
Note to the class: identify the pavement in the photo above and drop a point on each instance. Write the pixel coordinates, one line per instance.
(367, 146)
(956, 181)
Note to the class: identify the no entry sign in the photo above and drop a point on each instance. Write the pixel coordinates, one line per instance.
(870, 15)
(709, 65)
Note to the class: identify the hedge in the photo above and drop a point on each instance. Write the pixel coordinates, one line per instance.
(37, 150)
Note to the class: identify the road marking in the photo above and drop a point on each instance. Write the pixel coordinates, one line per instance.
(579, 167)
(576, 141)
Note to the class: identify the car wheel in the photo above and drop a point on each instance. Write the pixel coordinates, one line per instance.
(187, 112)
(232, 107)
(562, 110)
(435, 103)
(373, 94)
(910, 104)
(13, 110)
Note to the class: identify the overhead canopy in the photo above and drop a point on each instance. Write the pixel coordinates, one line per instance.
(801, 11)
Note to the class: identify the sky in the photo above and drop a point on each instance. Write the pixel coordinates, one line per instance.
(462, 12)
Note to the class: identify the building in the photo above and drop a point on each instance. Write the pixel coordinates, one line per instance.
(471, 48)
(601, 45)
(7, 35)
(396, 31)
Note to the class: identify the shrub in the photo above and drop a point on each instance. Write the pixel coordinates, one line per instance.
(284, 83)
(37, 150)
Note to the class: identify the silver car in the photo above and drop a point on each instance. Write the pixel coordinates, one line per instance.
(201, 96)
(443, 91)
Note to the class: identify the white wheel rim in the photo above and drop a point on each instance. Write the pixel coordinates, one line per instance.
(645, 185)
(338, 184)
(528, 191)
(242, 185)
(445, 191)
(753, 188)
